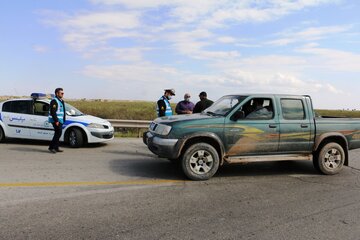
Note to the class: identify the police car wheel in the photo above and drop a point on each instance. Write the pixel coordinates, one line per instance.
(75, 138)
(2, 135)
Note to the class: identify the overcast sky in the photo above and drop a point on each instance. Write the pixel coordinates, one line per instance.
(133, 49)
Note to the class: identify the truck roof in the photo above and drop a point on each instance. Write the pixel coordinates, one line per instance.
(267, 94)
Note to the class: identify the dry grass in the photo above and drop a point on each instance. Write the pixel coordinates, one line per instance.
(339, 113)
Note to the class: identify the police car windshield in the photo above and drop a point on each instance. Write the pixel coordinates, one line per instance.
(224, 105)
(72, 111)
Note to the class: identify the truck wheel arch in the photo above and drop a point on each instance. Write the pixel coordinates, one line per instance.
(333, 137)
(209, 138)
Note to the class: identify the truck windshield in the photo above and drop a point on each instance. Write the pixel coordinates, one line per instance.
(72, 111)
(224, 105)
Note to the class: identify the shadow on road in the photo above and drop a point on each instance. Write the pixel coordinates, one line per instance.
(149, 168)
(267, 168)
(131, 153)
(29, 149)
(27, 142)
(164, 169)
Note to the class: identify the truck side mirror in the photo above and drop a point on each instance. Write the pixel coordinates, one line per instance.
(238, 115)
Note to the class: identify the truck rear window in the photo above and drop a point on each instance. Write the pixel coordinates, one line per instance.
(292, 109)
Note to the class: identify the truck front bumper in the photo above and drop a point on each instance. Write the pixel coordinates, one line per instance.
(162, 147)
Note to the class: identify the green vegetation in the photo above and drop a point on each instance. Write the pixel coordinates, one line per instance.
(129, 132)
(128, 110)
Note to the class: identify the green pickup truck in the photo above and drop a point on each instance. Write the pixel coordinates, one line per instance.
(253, 128)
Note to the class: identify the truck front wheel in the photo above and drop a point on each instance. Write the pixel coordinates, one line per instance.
(200, 161)
(330, 159)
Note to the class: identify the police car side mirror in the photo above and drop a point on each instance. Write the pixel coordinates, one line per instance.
(238, 115)
(71, 112)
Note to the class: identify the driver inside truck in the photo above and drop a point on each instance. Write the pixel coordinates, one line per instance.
(259, 110)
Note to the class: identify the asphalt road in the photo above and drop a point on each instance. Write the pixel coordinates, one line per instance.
(119, 190)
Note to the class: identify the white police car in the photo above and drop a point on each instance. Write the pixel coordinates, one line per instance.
(28, 119)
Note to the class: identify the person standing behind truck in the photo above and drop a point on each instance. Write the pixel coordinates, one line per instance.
(185, 106)
(57, 118)
(163, 107)
(203, 104)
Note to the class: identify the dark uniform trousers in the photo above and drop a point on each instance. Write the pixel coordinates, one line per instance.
(54, 144)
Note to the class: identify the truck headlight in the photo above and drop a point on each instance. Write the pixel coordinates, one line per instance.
(162, 129)
(96, 125)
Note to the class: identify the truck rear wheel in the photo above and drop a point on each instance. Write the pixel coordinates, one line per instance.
(200, 161)
(330, 159)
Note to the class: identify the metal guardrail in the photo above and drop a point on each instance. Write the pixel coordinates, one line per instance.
(118, 123)
(138, 124)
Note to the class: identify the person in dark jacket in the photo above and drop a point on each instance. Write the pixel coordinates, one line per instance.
(203, 104)
(185, 106)
(57, 118)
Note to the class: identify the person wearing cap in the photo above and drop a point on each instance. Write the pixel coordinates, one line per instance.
(185, 106)
(163, 107)
(203, 104)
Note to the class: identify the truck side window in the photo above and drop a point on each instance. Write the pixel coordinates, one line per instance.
(259, 109)
(292, 109)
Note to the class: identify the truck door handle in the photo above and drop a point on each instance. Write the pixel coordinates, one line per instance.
(272, 125)
(304, 126)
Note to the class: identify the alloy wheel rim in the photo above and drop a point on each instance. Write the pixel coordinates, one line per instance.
(201, 162)
(332, 159)
(72, 138)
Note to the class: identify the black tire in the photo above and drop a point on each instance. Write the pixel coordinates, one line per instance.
(2, 135)
(200, 161)
(330, 159)
(75, 138)
(315, 161)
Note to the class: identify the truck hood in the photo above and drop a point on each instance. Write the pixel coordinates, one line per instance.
(184, 117)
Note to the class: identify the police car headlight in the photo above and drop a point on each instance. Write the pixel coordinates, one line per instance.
(162, 129)
(96, 125)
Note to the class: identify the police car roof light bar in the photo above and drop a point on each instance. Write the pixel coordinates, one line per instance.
(41, 95)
